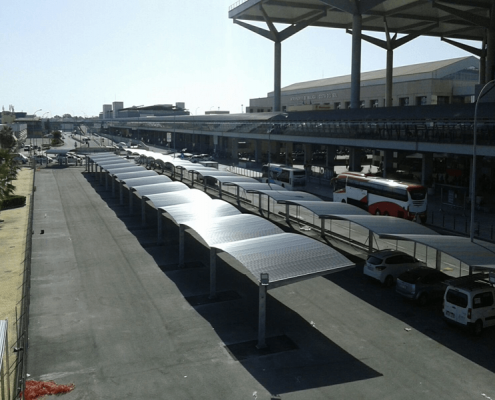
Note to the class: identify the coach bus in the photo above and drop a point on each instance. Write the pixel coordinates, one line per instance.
(381, 196)
(283, 175)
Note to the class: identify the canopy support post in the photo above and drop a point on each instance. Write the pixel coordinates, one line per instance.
(159, 226)
(262, 318)
(143, 211)
(213, 273)
(181, 245)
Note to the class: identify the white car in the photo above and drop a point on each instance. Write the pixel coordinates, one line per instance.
(21, 158)
(386, 265)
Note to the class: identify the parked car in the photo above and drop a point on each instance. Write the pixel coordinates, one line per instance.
(42, 159)
(387, 265)
(21, 158)
(422, 284)
(470, 303)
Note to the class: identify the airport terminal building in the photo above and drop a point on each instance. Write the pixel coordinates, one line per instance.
(440, 82)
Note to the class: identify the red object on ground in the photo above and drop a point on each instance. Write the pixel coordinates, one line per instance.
(37, 389)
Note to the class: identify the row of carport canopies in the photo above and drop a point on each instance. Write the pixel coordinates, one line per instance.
(475, 254)
(273, 257)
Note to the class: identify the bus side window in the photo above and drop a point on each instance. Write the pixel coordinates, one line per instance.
(339, 184)
(284, 176)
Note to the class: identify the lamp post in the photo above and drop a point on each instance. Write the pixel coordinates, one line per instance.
(473, 170)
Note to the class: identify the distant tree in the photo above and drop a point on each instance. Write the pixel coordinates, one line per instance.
(7, 138)
(57, 135)
(8, 173)
(67, 116)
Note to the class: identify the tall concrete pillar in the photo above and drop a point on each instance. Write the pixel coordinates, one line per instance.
(235, 148)
(387, 163)
(330, 161)
(426, 168)
(356, 60)
(277, 77)
(257, 151)
(355, 155)
(289, 147)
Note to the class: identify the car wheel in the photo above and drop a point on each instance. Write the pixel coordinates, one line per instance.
(423, 299)
(377, 212)
(478, 327)
(389, 281)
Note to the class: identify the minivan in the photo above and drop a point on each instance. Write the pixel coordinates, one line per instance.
(470, 302)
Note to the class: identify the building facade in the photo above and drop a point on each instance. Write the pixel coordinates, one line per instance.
(441, 82)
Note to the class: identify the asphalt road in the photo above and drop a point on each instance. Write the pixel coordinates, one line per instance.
(112, 313)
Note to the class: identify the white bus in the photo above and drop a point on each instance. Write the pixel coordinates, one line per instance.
(381, 196)
(283, 175)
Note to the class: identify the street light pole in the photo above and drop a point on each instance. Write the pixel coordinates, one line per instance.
(473, 170)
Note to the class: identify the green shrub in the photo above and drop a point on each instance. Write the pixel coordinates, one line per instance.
(13, 202)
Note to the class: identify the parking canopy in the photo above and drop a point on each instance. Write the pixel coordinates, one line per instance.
(286, 257)
(473, 254)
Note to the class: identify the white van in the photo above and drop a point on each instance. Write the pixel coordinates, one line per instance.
(470, 302)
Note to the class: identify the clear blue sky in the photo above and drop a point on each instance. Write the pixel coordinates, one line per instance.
(67, 56)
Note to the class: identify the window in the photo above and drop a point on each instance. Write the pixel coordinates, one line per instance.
(457, 298)
(374, 103)
(443, 100)
(483, 300)
(421, 100)
(403, 101)
(361, 104)
(347, 104)
(284, 176)
(336, 105)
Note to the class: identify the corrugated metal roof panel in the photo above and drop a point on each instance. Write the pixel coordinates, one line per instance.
(328, 209)
(200, 211)
(178, 197)
(470, 253)
(280, 196)
(233, 228)
(133, 182)
(166, 187)
(112, 170)
(134, 174)
(286, 257)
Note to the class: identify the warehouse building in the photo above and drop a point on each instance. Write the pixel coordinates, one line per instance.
(450, 81)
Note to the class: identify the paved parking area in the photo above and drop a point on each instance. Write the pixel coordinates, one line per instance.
(111, 313)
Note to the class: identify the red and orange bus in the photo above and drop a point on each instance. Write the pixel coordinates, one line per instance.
(381, 196)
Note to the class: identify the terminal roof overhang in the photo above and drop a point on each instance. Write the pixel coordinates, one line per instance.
(459, 19)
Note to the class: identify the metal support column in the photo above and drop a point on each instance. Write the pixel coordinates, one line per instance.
(213, 273)
(159, 223)
(143, 211)
(181, 245)
(277, 76)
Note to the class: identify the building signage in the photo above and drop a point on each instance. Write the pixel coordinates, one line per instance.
(314, 97)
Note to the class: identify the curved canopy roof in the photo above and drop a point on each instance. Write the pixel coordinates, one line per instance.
(114, 169)
(148, 180)
(216, 208)
(120, 176)
(178, 197)
(159, 188)
(232, 228)
(286, 257)
(253, 187)
(470, 253)
(282, 196)
(328, 209)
